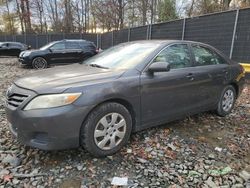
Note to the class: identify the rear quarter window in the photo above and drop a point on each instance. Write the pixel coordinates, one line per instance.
(88, 45)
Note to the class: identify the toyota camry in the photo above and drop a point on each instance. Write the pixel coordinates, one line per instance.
(124, 89)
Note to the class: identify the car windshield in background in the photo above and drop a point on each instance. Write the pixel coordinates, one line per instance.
(124, 56)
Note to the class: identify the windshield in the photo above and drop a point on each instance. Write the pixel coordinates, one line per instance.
(46, 46)
(123, 56)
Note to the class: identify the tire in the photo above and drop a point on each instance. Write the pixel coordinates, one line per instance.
(227, 100)
(39, 63)
(86, 57)
(100, 134)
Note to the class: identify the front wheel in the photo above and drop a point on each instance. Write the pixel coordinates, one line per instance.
(39, 63)
(227, 101)
(106, 130)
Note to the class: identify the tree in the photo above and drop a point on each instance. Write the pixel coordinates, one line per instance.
(167, 10)
(39, 7)
(8, 20)
(20, 15)
(8, 17)
(199, 7)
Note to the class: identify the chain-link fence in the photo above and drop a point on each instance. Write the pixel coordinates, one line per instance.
(228, 31)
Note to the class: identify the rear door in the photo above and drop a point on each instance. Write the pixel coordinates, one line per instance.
(213, 71)
(167, 95)
(73, 51)
(14, 49)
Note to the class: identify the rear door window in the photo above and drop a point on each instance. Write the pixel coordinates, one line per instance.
(204, 56)
(72, 45)
(14, 45)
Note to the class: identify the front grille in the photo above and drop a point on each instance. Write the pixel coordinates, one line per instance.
(16, 99)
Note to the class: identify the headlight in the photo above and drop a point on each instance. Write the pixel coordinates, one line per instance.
(52, 100)
(26, 53)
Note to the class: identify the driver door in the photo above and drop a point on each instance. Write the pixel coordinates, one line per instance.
(4, 50)
(167, 95)
(57, 53)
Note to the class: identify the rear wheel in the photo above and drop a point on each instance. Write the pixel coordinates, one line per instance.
(86, 57)
(227, 101)
(106, 130)
(39, 63)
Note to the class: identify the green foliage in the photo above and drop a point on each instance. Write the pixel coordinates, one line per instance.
(9, 23)
(167, 10)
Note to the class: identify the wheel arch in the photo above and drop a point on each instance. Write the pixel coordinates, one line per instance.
(121, 101)
(236, 87)
(41, 56)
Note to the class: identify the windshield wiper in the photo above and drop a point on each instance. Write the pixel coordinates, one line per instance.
(98, 66)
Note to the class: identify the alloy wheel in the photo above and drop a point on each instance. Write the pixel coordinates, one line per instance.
(228, 100)
(110, 131)
(39, 63)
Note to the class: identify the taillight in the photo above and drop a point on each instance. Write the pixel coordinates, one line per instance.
(98, 50)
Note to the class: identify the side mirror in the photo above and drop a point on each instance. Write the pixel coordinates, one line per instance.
(159, 67)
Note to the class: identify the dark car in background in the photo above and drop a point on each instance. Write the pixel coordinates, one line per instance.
(59, 52)
(124, 89)
(12, 48)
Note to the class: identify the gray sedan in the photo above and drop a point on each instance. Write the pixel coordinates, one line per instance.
(127, 88)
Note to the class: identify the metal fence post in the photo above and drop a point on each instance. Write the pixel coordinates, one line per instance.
(25, 38)
(97, 40)
(150, 32)
(100, 44)
(112, 35)
(36, 41)
(234, 32)
(129, 34)
(5, 37)
(147, 37)
(183, 29)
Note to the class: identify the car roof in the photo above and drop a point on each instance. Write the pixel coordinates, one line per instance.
(165, 42)
(75, 40)
(10, 42)
(71, 40)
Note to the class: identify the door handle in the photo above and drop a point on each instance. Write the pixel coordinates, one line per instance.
(225, 71)
(190, 76)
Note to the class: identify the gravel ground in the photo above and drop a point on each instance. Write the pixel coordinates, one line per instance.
(200, 151)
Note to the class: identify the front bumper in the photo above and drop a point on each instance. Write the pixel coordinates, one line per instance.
(47, 129)
(25, 60)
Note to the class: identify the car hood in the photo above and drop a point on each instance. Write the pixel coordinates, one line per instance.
(55, 80)
(29, 51)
